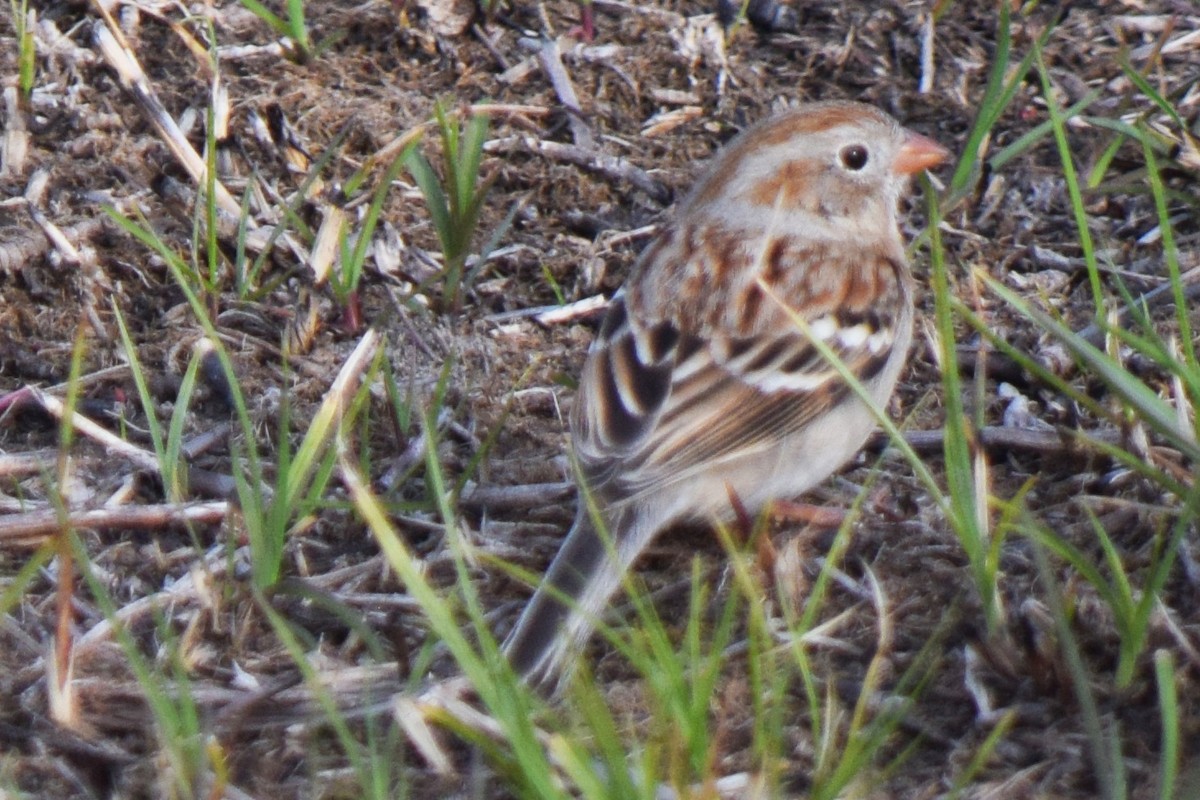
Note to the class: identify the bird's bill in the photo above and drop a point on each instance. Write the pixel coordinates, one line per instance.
(919, 153)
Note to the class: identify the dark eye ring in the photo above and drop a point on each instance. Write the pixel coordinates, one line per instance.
(854, 157)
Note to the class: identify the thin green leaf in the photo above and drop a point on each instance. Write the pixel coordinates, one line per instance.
(1148, 406)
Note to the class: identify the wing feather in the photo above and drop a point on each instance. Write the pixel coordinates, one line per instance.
(658, 403)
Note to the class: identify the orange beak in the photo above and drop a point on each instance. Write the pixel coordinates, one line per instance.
(918, 153)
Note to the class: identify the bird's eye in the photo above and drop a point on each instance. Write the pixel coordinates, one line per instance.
(854, 157)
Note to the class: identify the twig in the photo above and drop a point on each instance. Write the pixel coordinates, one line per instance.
(507, 498)
(130, 73)
(143, 459)
(202, 442)
(550, 58)
(176, 594)
(201, 481)
(610, 167)
(926, 83)
(1046, 442)
(23, 247)
(31, 529)
(20, 465)
(490, 46)
(15, 145)
(587, 308)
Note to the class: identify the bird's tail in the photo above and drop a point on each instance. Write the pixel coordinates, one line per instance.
(577, 588)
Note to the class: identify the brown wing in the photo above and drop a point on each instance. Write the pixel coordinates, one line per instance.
(656, 403)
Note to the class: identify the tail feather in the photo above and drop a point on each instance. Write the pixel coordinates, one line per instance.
(577, 588)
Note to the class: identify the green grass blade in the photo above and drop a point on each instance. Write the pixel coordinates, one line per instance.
(1168, 709)
(1148, 406)
(1071, 178)
(435, 199)
(277, 23)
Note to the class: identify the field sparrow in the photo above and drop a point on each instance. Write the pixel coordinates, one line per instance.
(700, 387)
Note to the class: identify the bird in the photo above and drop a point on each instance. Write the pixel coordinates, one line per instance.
(700, 392)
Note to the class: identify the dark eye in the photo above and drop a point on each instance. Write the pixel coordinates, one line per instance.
(854, 157)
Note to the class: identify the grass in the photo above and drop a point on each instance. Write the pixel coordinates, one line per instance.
(682, 734)
(737, 689)
(454, 199)
(353, 248)
(292, 25)
(26, 52)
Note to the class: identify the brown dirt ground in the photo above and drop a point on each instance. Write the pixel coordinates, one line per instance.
(378, 78)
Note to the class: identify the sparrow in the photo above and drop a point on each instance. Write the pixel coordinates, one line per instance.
(700, 387)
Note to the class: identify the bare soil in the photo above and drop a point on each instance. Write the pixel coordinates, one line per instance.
(658, 90)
